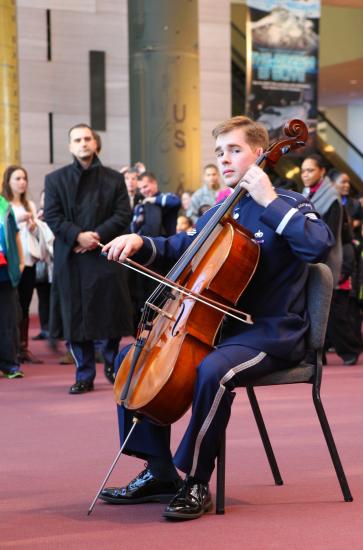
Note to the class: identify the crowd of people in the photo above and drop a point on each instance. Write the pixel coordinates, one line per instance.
(90, 303)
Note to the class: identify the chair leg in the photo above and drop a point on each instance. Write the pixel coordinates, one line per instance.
(331, 445)
(220, 482)
(264, 435)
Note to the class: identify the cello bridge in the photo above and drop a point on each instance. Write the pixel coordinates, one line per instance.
(160, 311)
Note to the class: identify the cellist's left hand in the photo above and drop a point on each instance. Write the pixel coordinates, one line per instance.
(259, 186)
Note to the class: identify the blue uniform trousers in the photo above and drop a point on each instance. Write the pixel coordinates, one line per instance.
(84, 356)
(218, 374)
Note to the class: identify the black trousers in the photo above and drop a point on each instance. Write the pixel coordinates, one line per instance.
(26, 289)
(218, 375)
(341, 332)
(43, 291)
(9, 321)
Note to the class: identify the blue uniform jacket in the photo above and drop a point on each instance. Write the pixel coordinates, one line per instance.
(158, 218)
(290, 234)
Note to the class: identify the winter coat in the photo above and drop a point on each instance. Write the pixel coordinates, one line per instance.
(90, 296)
(9, 246)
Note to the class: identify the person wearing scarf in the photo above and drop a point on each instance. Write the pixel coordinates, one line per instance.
(326, 200)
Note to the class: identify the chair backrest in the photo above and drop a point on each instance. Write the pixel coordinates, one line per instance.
(319, 293)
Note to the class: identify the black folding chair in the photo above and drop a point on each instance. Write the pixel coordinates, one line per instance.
(319, 291)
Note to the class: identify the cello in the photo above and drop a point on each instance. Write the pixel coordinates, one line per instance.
(177, 330)
(179, 327)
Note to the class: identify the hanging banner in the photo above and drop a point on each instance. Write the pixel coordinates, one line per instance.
(282, 62)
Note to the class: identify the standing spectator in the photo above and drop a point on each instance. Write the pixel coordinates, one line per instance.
(326, 200)
(341, 181)
(43, 278)
(341, 332)
(347, 316)
(155, 215)
(131, 182)
(11, 265)
(86, 203)
(15, 186)
(207, 194)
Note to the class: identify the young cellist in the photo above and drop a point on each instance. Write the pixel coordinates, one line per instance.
(290, 234)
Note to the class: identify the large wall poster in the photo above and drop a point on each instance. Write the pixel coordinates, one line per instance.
(282, 68)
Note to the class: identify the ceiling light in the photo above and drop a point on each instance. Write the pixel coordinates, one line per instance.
(329, 149)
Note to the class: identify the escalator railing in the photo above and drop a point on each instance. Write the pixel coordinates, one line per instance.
(339, 150)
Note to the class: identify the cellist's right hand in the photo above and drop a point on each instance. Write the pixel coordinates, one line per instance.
(122, 247)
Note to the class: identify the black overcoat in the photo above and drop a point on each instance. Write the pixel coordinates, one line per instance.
(90, 296)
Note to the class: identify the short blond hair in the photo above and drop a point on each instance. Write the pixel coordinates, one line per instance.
(255, 133)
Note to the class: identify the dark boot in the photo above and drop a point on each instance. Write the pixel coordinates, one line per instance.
(25, 355)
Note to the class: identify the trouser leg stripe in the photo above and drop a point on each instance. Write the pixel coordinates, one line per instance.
(73, 355)
(209, 418)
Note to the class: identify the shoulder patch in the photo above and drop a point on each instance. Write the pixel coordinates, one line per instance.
(305, 205)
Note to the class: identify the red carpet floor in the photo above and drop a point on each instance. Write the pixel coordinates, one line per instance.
(56, 449)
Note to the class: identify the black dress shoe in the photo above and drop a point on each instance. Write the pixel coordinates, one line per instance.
(190, 502)
(43, 335)
(144, 488)
(109, 373)
(81, 387)
(350, 359)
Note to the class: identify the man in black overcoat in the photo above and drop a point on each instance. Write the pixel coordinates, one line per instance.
(87, 203)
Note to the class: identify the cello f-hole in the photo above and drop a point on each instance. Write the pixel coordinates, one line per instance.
(175, 332)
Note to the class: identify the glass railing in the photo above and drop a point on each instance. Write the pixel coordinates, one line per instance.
(335, 143)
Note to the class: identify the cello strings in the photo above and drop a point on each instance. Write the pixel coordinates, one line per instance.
(197, 243)
(193, 247)
(221, 211)
(248, 319)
